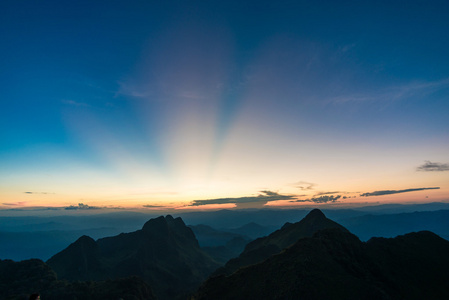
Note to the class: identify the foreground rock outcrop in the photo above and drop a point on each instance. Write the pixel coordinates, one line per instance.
(20, 279)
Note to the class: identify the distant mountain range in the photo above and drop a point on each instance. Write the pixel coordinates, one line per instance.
(391, 225)
(252, 230)
(41, 237)
(220, 245)
(224, 244)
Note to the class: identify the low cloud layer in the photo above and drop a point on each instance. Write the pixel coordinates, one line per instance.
(20, 203)
(429, 166)
(389, 192)
(263, 198)
(153, 206)
(81, 206)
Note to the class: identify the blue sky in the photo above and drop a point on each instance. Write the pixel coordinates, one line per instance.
(164, 104)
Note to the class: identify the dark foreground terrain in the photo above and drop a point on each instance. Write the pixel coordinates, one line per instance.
(335, 264)
(19, 279)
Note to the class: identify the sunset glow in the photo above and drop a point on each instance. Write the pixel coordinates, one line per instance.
(176, 105)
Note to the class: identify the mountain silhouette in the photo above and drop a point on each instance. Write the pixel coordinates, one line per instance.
(262, 248)
(335, 264)
(328, 262)
(165, 253)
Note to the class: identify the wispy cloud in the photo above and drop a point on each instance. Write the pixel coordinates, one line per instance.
(32, 209)
(395, 93)
(304, 185)
(389, 192)
(38, 193)
(346, 48)
(429, 166)
(75, 103)
(20, 203)
(153, 206)
(133, 90)
(327, 193)
(263, 198)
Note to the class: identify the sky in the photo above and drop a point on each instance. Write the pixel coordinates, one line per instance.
(175, 105)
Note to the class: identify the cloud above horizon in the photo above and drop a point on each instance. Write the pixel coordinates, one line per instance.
(429, 166)
(37, 193)
(321, 199)
(81, 206)
(20, 203)
(75, 103)
(304, 185)
(263, 198)
(397, 92)
(327, 193)
(389, 192)
(154, 206)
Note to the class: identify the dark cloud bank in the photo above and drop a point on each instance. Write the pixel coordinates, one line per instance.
(321, 199)
(261, 199)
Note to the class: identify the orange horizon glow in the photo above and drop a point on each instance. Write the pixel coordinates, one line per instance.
(352, 200)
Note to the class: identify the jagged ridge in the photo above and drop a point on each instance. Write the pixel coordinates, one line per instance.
(262, 248)
(165, 253)
(335, 264)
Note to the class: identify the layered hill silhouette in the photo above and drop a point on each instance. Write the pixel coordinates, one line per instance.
(164, 253)
(262, 248)
(334, 264)
(253, 230)
(220, 245)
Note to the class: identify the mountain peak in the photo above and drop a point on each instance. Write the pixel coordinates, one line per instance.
(315, 214)
(86, 240)
(262, 248)
(163, 224)
(165, 253)
(158, 223)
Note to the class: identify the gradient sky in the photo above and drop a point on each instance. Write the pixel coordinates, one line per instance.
(206, 104)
